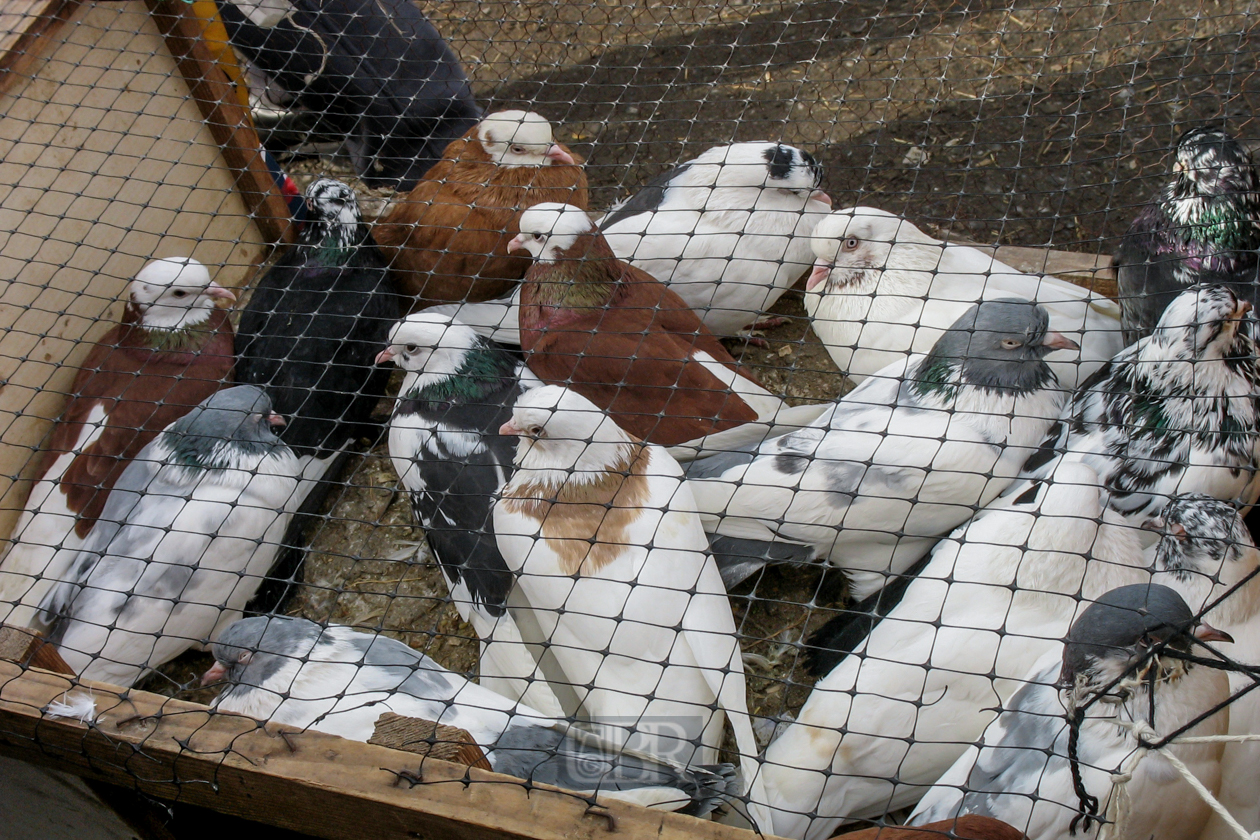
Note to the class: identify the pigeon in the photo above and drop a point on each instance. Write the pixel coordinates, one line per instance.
(445, 444)
(1175, 413)
(375, 72)
(1203, 227)
(338, 680)
(728, 232)
(171, 351)
(622, 339)
(189, 530)
(447, 239)
(602, 533)
(882, 289)
(905, 457)
(1046, 764)
(997, 595)
(1206, 554)
(312, 329)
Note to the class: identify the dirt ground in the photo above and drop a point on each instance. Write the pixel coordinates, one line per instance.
(1012, 124)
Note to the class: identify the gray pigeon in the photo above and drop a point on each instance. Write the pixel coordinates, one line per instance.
(1045, 765)
(188, 533)
(1177, 412)
(905, 457)
(338, 680)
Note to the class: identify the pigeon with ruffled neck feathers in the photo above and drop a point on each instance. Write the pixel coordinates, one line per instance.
(882, 289)
(905, 457)
(189, 531)
(447, 239)
(727, 231)
(1203, 227)
(1048, 763)
(338, 680)
(622, 339)
(1178, 412)
(172, 349)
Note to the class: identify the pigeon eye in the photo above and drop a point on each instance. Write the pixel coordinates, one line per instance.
(536, 431)
(411, 348)
(850, 244)
(181, 293)
(518, 150)
(1011, 343)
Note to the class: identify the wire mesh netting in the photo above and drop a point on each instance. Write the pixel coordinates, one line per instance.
(733, 409)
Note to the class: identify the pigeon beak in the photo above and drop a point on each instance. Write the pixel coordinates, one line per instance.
(515, 245)
(819, 195)
(217, 673)
(216, 292)
(275, 420)
(386, 355)
(1059, 341)
(1207, 633)
(510, 428)
(557, 155)
(818, 276)
(1244, 306)
(1155, 524)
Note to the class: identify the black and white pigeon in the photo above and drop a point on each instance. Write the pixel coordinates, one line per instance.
(445, 444)
(312, 329)
(904, 458)
(728, 231)
(1202, 227)
(188, 533)
(995, 597)
(1206, 554)
(376, 73)
(1178, 412)
(338, 680)
(1046, 764)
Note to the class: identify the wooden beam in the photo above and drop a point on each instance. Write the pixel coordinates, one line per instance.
(305, 781)
(26, 28)
(227, 120)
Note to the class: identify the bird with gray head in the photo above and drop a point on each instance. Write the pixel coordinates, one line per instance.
(1202, 227)
(1049, 762)
(1178, 412)
(901, 460)
(338, 680)
(186, 537)
(728, 231)
(1206, 553)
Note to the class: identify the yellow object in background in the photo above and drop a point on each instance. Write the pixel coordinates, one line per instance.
(216, 38)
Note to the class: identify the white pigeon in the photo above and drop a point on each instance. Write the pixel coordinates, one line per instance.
(445, 445)
(727, 231)
(187, 535)
(904, 458)
(1207, 555)
(172, 349)
(882, 289)
(1046, 764)
(609, 552)
(338, 680)
(1177, 412)
(995, 596)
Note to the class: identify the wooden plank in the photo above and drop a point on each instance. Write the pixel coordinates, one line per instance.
(305, 781)
(26, 28)
(227, 120)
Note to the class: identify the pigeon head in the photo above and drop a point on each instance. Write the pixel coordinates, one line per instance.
(225, 430)
(997, 344)
(520, 138)
(333, 213)
(1202, 324)
(175, 293)
(1125, 628)
(1208, 162)
(1204, 545)
(855, 245)
(429, 342)
(253, 652)
(755, 166)
(551, 231)
(563, 431)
